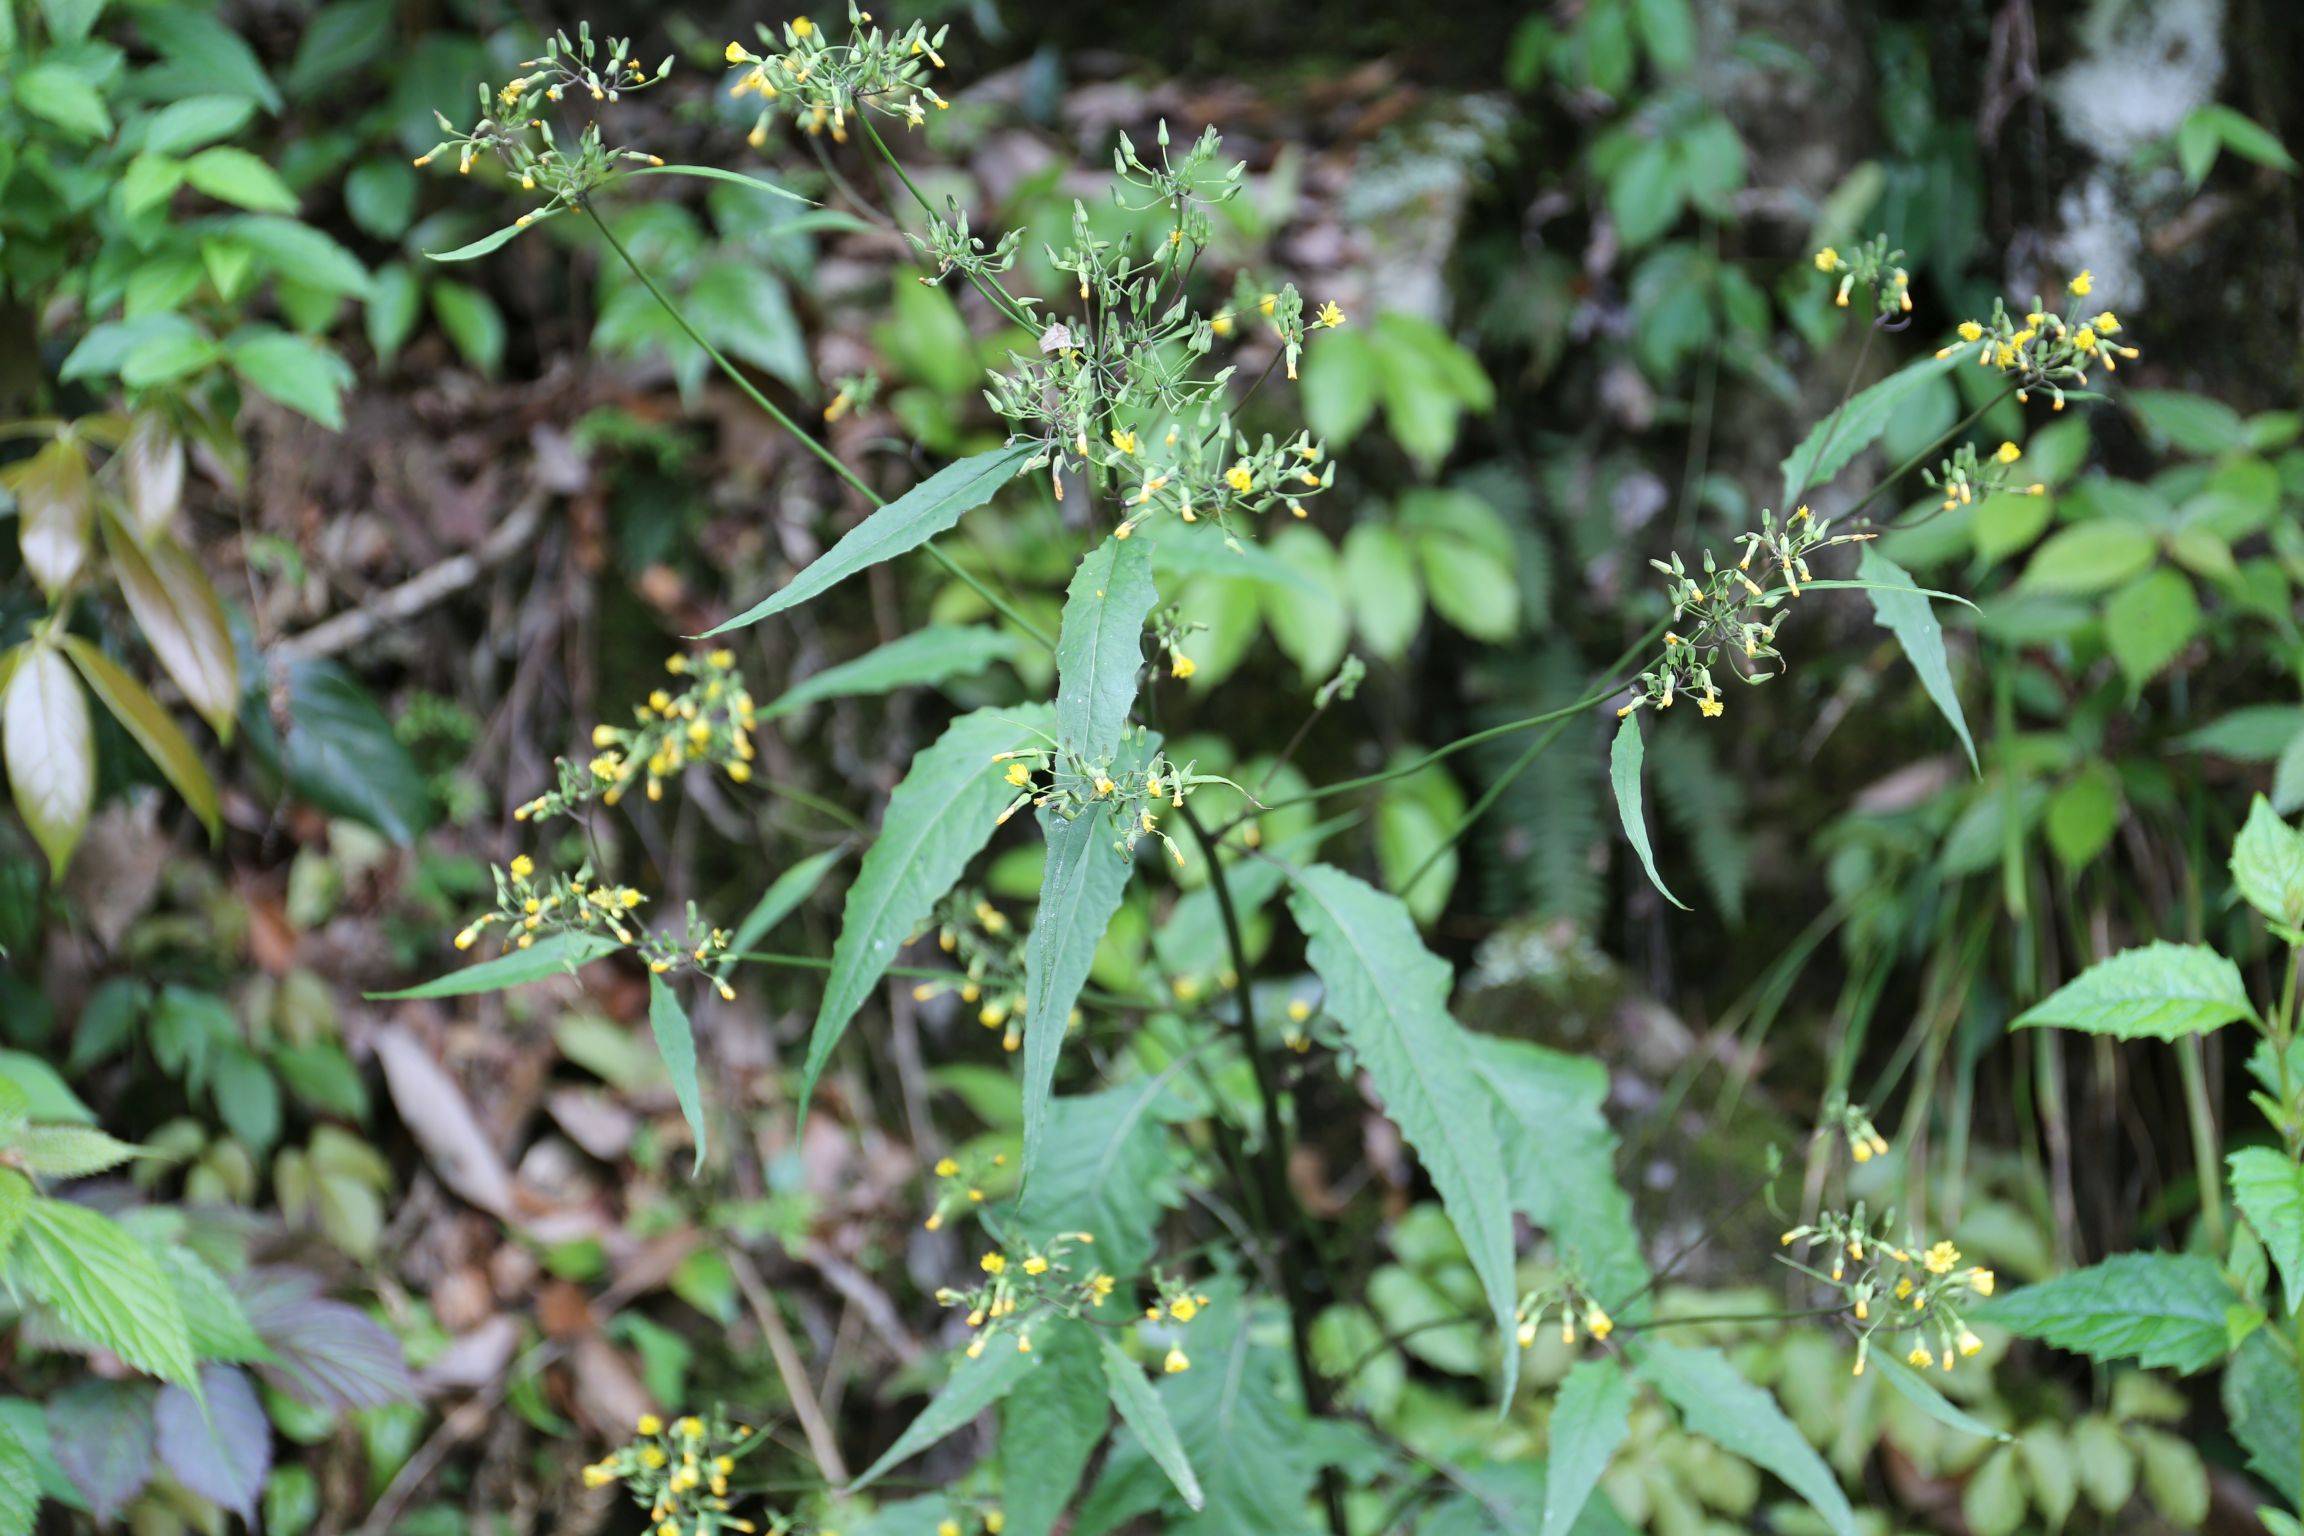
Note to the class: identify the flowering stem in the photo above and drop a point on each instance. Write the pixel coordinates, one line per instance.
(997, 603)
(999, 296)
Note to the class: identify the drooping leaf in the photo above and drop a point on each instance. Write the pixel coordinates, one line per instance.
(100, 1433)
(143, 718)
(325, 1354)
(915, 517)
(54, 512)
(1625, 757)
(676, 1043)
(1107, 1168)
(782, 898)
(2269, 1189)
(938, 818)
(1590, 1419)
(1147, 1418)
(2263, 1394)
(70, 1151)
(975, 1385)
(103, 1285)
(488, 243)
(1838, 438)
(2162, 1310)
(1391, 995)
(219, 1444)
(2268, 865)
(2161, 990)
(1916, 1390)
(1716, 1401)
(715, 173)
(50, 750)
(556, 954)
(1049, 1425)
(183, 619)
(19, 1484)
(1100, 648)
(1081, 884)
(1906, 614)
(341, 753)
(921, 659)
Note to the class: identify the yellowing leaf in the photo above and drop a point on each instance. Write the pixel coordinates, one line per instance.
(49, 746)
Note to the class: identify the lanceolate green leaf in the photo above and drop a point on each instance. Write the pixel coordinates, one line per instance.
(939, 818)
(1141, 1410)
(1715, 1401)
(2162, 1310)
(2269, 1189)
(1590, 1419)
(1916, 1390)
(489, 242)
(715, 173)
(782, 898)
(1625, 758)
(1101, 647)
(555, 955)
(1901, 609)
(1391, 995)
(1846, 433)
(975, 1385)
(2161, 990)
(676, 1043)
(104, 1286)
(1081, 883)
(1049, 1426)
(923, 658)
(909, 521)
(143, 718)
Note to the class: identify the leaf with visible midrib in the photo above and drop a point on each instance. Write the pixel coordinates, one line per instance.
(1141, 1410)
(2269, 1189)
(1391, 995)
(104, 1286)
(555, 955)
(2268, 864)
(19, 1486)
(1915, 1390)
(1625, 758)
(1590, 1419)
(218, 1444)
(940, 817)
(50, 749)
(975, 1385)
(2162, 1310)
(183, 619)
(909, 521)
(1049, 1426)
(1715, 1401)
(783, 897)
(1107, 1169)
(1904, 612)
(676, 1043)
(1859, 424)
(100, 1433)
(925, 657)
(2161, 990)
(143, 718)
(1100, 648)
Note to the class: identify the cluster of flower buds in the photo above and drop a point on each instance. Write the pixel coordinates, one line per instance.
(1577, 1308)
(532, 906)
(823, 83)
(514, 125)
(1915, 1294)
(1023, 1288)
(1854, 1122)
(1214, 475)
(1060, 782)
(950, 246)
(960, 1186)
(2044, 350)
(679, 1473)
(990, 953)
(709, 720)
(1724, 606)
(991, 1521)
(1874, 267)
(853, 392)
(1966, 475)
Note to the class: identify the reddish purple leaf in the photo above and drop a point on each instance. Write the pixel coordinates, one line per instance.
(220, 1449)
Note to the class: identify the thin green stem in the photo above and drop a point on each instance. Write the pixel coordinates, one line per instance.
(799, 434)
(1000, 297)
(2208, 1166)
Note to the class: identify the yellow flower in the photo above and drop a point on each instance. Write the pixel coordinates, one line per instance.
(1919, 1359)
(1330, 314)
(1035, 1265)
(2106, 324)
(1019, 775)
(1183, 1309)
(650, 1424)
(1981, 1280)
(1124, 441)
(2081, 285)
(1599, 1322)
(947, 1528)
(522, 867)
(1710, 706)
(994, 1522)
(946, 1167)
(1299, 1010)
(1827, 259)
(1220, 324)
(736, 53)
(1181, 665)
(1941, 1259)
(2009, 453)
(802, 26)
(1177, 1362)
(1240, 477)
(994, 1263)
(1971, 331)
(1969, 1343)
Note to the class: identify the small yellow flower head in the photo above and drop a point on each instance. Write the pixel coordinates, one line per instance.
(947, 1528)
(1971, 331)
(1220, 324)
(802, 26)
(1827, 259)
(1599, 1323)
(1176, 1363)
(2106, 324)
(1035, 1265)
(650, 1424)
(2009, 453)
(522, 867)
(994, 1522)
(1331, 315)
(1019, 775)
(1184, 1309)
(1240, 477)
(1981, 1280)
(1526, 1334)
(737, 53)
(1182, 666)
(1969, 1343)
(946, 1167)
(1941, 1259)
(1124, 441)
(1711, 706)
(994, 1263)
(1919, 1359)
(2081, 285)
(1299, 1010)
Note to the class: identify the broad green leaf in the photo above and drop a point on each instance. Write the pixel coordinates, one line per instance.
(182, 618)
(71, 1151)
(219, 1328)
(782, 898)
(2083, 814)
(342, 754)
(61, 95)
(1100, 648)
(921, 659)
(1465, 551)
(923, 512)
(1050, 1424)
(54, 511)
(1082, 881)
(2254, 733)
(1916, 1390)
(2175, 1479)
(2185, 422)
(1311, 621)
(231, 174)
(976, 1384)
(49, 746)
(1992, 1502)
(218, 1444)
(472, 323)
(1715, 1401)
(1391, 995)
(2148, 623)
(203, 54)
(1590, 1419)
(556, 955)
(46, 1097)
(143, 718)
(940, 817)
(2162, 1310)
(302, 255)
(2161, 990)
(1147, 1418)
(676, 1043)
(183, 126)
(1838, 438)
(100, 1433)
(2268, 865)
(1625, 757)
(2269, 1189)
(1387, 601)
(1107, 1168)
(2263, 1394)
(2087, 558)
(298, 372)
(489, 242)
(104, 1286)
(1904, 613)
(1560, 1160)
